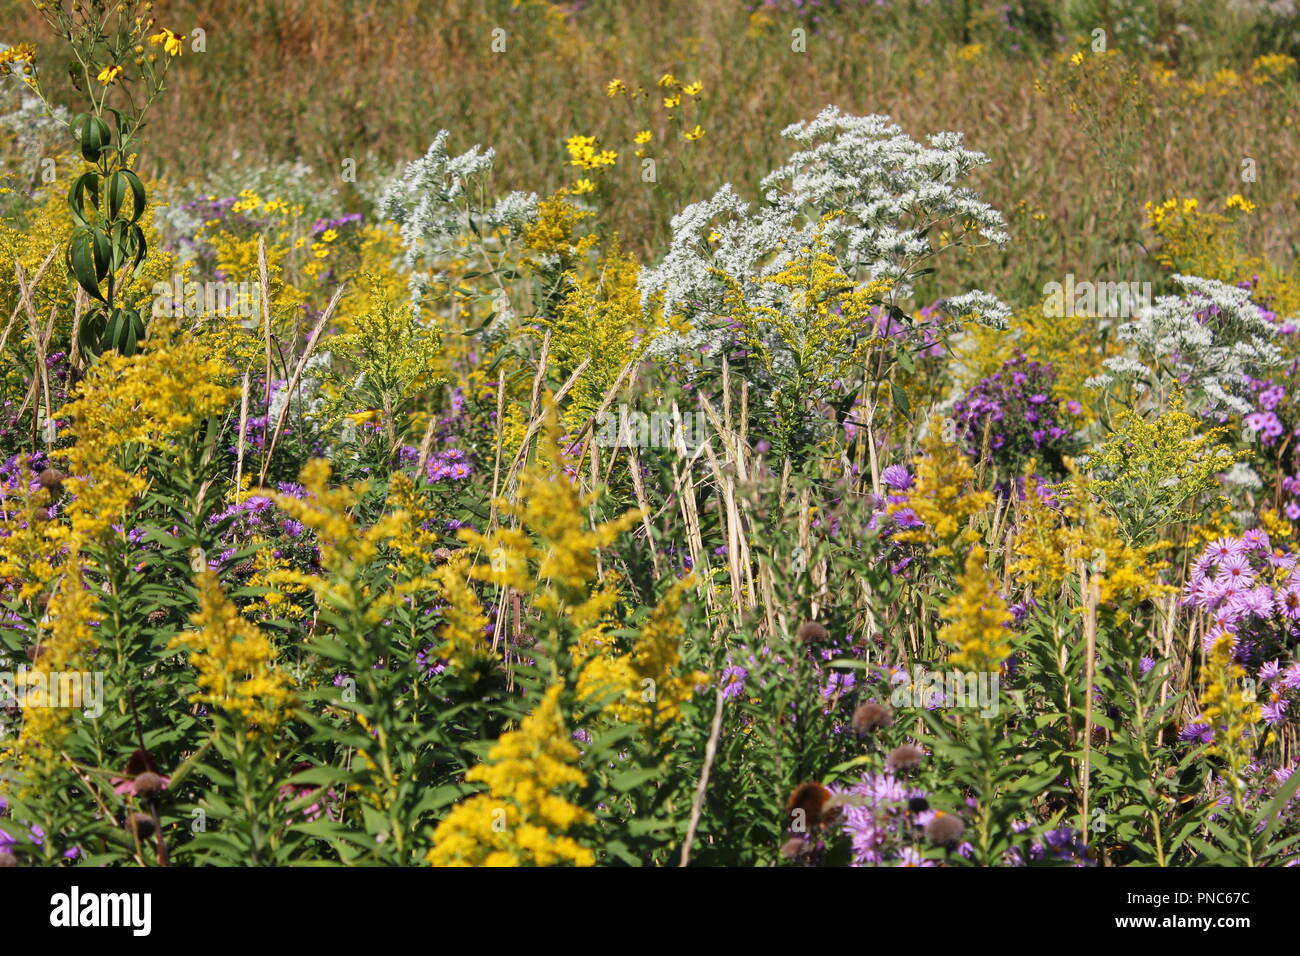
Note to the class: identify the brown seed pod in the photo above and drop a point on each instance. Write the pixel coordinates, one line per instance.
(811, 798)
(944, 829)
(905, 757)
(810, 632)
(51, 479)
(140, 824)
(139, 762)
(147, 784)
(871, 716)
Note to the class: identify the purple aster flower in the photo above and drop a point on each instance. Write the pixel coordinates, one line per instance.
(897, 477)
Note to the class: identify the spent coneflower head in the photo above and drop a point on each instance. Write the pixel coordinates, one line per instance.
(141, 825)
(944, 829)
(905, 757)
(139, 762)
(810, 632)
(148, 783)
(51, 479)
(871, 716)
(810, 798)
(794, 848)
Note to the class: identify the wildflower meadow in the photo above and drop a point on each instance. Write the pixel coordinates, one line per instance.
(592, 434)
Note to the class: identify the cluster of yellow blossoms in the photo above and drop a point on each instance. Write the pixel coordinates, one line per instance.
(235, 660)
(977, 618)
(941, 496)
(1226, 709)
(522, 819)
(644, 686)
(1052, 542)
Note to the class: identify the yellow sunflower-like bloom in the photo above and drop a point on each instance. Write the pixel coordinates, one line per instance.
(172, 44)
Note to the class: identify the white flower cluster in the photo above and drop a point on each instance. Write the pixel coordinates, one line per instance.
(36, 132)
(891, 191)
(1212, 339)
(438, 199)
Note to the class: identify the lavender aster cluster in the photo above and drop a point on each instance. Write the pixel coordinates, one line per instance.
(1251, 592)
(1012, 416)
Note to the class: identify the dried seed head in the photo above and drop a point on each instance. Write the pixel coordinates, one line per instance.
(157, 616)
(140, 824)
(811, 632)
(871, 716)
(147, 784)
(51, 479)
(944, 829)
(811, 798)
(139, 762)
(904, 758)
(793, 848)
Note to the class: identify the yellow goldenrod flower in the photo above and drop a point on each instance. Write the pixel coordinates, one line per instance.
(462, 636)
(523, 818)
(941, 497)
(653, 663)
(234, 659)
(977, 618)
(1225, 707)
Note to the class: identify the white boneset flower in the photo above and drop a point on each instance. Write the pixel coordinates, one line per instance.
(438, 199)
(1212, 340)
(889, 193)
